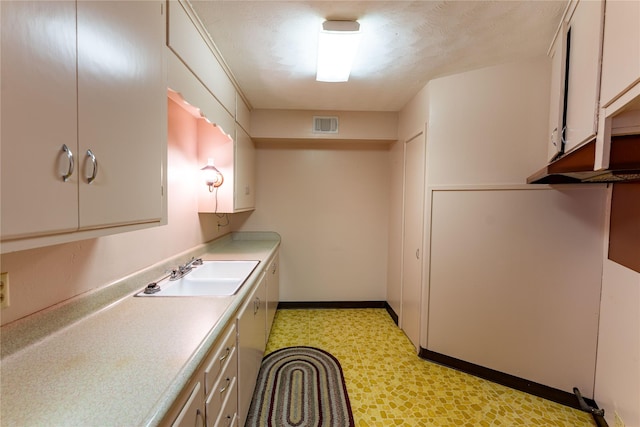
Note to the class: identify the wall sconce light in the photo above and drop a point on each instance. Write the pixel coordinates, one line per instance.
(212, 176)
(337, 46)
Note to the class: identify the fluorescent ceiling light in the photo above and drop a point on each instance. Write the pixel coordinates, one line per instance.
(337, 46)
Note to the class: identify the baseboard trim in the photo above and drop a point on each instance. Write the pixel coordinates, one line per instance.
(391, 312)
(536, 389)
(331, 304)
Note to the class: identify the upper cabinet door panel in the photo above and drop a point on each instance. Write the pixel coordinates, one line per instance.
(245, 176)
(556, 107)
(243, 114)
(38, 117)
(188, 44)
(621, 50)
(122, 111)
(584, 49)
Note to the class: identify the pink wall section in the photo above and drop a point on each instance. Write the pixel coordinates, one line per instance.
(40, 278)
(330, 205)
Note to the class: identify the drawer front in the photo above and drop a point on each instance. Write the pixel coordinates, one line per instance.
(191, 412)
(226, 351)
(224, 389)
(229, 413)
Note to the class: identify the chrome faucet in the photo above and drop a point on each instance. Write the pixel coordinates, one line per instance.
(183, 270)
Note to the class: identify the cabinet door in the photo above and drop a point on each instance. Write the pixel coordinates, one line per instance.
(412, 238)
(244, 171)
(556, 107)
(38, 117)
(273, 291)
(583, 83)
(621, 49)
(251, 345)
(122, 111)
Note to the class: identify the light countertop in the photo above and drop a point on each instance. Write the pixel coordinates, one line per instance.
(120, 362)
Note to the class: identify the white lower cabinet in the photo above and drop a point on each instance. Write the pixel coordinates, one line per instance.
(273, 291)
(251, 346)
(220, 392)
(210, 398)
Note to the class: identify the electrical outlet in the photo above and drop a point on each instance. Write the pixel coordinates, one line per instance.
(618, 421)
(4, 290)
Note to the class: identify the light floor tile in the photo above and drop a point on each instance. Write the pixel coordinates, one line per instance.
(389, 385)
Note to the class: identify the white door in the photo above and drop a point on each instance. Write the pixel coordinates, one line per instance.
(413, 233)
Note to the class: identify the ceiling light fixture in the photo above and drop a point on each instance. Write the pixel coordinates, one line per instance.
(337, 46)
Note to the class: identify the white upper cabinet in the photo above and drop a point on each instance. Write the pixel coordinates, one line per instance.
(235, 159)
(88, 76)
(200, 85)
(620, 84)
(621, 50)
(576, 57)
(244, 172)
(557, 53)
(190, 46)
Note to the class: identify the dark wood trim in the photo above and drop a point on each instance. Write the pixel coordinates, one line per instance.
(625, 152)
(392, 313)
(624, 226)
(540, 390)
(624, 156)
(331, 304)
(579, 160)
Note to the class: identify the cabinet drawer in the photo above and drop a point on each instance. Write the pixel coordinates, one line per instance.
(191, 414)
(229, 414)
(224, 389)
(224, 353)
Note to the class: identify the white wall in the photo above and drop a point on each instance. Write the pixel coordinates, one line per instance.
(485, 135)
(617, 387)
(40, 278)
(394, 261)
(330, 205)
(488, 126)
(279, 125)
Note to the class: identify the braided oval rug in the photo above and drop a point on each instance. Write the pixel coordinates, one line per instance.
(301, 387)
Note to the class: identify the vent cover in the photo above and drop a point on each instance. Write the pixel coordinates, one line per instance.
(325, 124)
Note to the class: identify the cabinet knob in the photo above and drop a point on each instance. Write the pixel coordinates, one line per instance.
(67, 151)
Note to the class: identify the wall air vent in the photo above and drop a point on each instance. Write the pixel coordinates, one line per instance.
(325, 124)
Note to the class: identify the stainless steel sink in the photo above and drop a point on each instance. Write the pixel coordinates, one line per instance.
(212, 278)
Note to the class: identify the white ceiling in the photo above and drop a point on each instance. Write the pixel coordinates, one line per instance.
(270, 46)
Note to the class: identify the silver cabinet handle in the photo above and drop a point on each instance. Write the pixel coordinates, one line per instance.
(200, 421)
(66, 150)
(226, 354)
(226, 386)
(92, 156)
(418, 253)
